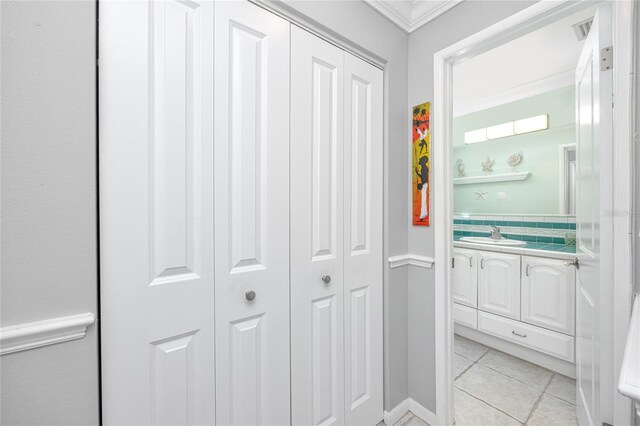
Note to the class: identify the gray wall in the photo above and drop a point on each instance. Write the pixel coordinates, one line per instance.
(460, 22)
(366, 28)
(48, 174)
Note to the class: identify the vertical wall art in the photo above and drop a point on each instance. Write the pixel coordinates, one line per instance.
(421, 164)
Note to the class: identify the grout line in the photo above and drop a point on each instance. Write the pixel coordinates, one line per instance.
(484, 354)
(556, 396)
(517, 380)
(464, 371)
(486, 403)
(535, 406)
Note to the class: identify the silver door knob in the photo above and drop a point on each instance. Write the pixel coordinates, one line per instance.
(250, 295)
(326, 279)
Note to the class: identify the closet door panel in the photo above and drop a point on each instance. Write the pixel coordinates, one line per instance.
(251, 215)
(363, 241)
(156, 212)
(317, 343)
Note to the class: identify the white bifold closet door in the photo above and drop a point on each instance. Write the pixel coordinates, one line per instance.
(336, 235)
(251, 215)
(156, 212)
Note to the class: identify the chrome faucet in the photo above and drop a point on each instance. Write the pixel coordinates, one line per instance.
(495, 233)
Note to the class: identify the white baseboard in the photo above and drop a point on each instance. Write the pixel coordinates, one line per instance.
(409, 404)
(423, 412)
(396, 413)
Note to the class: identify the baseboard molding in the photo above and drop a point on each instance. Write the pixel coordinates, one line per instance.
(409, 404)
(396, 413)
(22, 337)
(411, 259)
(423, 412)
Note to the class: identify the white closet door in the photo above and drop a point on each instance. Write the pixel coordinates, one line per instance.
(317, 345)
(251, 215)
(363, 241)
(156, 212)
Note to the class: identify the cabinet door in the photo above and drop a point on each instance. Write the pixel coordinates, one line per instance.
(499, 284)
(363, 242)
(251, 215)
(317, 245)
(548, 294)
(465, 277)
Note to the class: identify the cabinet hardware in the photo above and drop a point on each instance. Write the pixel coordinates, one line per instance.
(482, 263)
(453, 262)
(518, 334)
(526, 270)
(575, 262)
(470, 262)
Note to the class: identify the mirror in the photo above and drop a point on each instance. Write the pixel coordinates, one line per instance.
(517, 158)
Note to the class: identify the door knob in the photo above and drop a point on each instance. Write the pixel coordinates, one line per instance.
(326, 279)
(250, 295)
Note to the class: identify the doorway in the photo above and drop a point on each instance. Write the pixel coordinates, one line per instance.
(609, 406)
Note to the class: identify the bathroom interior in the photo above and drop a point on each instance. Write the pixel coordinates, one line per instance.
(514, 228)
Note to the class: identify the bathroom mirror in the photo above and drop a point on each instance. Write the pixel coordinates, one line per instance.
(516, 158)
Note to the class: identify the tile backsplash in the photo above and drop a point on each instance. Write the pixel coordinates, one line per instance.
(541, 229)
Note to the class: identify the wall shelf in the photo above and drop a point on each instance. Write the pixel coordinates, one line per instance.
(504, 177)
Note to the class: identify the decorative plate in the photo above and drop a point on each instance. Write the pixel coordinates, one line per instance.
(515, 159)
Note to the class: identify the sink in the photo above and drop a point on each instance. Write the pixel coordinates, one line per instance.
(491, 241)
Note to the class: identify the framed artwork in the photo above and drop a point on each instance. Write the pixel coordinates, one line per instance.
(421, 156)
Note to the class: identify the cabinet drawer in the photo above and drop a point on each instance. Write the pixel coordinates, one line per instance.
(547, 341)
(465, 315)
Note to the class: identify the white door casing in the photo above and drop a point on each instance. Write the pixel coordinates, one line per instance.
(499, 284)
(251, 215)
(317, 245)
(548, 294)
(156, 212)
(464, 277)
(363, 257)
(593, 202)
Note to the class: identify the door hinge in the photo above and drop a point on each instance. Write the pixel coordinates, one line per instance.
(453, 262)
(575, 262)
(606, 58)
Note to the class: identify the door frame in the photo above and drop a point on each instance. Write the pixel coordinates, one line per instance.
(523, 22)
(563, 175)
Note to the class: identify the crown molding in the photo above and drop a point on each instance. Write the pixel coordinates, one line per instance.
(22, 337)
(523, 91)
(423, 14)
(411, 16)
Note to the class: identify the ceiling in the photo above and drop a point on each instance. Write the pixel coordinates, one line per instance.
(411, 14)
(537, 62)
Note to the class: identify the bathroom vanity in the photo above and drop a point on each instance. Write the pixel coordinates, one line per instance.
(523, 295)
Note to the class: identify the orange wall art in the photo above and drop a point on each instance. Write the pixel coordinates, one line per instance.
(421, 164)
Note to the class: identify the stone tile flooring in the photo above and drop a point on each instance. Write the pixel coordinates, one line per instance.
(494, 388)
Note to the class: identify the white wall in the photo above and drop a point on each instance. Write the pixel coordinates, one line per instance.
(49, 245)
(458, 23)
(365, 27)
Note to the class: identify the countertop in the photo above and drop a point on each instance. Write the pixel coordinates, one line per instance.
(556, 251)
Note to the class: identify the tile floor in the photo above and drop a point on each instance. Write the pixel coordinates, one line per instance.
(493, 388)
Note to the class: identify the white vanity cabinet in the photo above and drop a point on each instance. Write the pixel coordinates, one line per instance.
(548, 294)
(499, 284)
(523, 299)
(464, 277)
